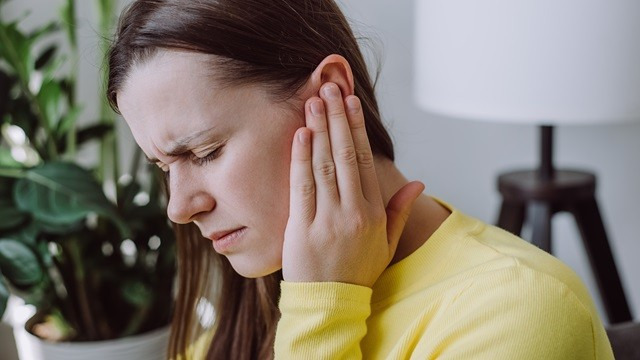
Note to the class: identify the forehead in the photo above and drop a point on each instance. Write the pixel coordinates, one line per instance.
(170, 86)
(174, 94)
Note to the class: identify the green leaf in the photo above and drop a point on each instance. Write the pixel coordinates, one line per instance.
(45, 254)
(63, 193)
(18, 263)
(11, 217)
(15, 49)
(67, 14)
(25, 234)
(67, 121)
(49, 97)
(4, 296)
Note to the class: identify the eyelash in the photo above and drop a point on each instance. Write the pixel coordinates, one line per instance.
(209, 157)
(203, 160)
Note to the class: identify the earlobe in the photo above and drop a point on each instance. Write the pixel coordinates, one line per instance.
(336, 69)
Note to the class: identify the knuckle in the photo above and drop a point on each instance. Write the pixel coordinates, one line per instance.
(325, 169)
(320, 129)
(365, 158)
(336, 112)
(348, 155)
(306, 188)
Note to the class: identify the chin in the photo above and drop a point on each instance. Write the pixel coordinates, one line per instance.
(253, 269)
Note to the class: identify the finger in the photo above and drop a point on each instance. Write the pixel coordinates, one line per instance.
(366, 168)
(302, 195)
(398, 211)
(342, 147)
(324, 169)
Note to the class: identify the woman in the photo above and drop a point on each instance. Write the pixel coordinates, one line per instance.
(263, 116)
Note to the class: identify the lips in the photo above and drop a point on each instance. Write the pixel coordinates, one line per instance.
(220, 234)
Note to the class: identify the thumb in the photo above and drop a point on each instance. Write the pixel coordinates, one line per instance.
(398, 211)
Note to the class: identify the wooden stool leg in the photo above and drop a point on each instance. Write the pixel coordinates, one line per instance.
(541, 213)
(604, 269)
(512, 216)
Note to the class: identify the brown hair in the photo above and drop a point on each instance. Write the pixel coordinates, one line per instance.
(276, 43)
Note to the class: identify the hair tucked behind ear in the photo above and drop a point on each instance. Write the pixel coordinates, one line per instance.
(276, 43)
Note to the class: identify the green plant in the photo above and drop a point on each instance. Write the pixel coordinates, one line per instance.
(95, 266)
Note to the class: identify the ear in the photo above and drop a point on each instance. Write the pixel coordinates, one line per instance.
(334, 68)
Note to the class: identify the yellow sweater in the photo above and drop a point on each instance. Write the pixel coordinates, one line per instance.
(472, 291)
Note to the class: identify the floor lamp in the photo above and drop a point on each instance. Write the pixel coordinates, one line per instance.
(544, 62)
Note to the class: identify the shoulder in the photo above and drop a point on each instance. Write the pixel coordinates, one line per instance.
(530, 266)
(521, 312)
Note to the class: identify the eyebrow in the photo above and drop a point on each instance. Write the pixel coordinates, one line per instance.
(182, 145)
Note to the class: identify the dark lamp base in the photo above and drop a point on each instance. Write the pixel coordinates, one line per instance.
(528, 193)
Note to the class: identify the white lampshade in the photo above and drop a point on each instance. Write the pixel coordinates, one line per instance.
(549, 62)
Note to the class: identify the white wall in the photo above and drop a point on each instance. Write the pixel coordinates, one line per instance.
(458, 160)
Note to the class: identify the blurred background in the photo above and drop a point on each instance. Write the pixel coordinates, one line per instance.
(458, 160)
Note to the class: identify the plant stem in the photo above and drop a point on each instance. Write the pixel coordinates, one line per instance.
(87, 319)
(71, 135)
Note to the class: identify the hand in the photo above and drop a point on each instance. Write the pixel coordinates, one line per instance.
(338, 228)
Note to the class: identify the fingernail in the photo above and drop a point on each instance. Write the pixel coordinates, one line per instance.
(353, 104)
(331, 90)
(317, 108)
(303, 136)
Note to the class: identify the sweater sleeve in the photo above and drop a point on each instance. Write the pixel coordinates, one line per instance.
(322, 320)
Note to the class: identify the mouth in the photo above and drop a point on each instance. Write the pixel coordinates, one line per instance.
(220, 235)
(225, 242)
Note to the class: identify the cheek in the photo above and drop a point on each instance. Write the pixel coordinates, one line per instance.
(260, 176)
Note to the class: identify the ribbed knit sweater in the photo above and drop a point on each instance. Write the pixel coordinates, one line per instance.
(472, 291)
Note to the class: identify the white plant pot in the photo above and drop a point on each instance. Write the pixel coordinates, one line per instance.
(149, 346)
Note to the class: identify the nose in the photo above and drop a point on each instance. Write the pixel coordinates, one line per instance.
(187, 197)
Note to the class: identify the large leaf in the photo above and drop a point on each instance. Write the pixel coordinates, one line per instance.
(10, 217)
(64, 193)
(26, 234)
(19, 264)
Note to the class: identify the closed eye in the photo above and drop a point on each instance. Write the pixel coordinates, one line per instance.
(199, 161)
(207, 158)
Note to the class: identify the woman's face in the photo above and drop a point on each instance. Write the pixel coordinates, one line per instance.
(227, 150)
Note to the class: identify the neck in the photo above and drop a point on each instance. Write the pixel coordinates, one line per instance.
(426, 214)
